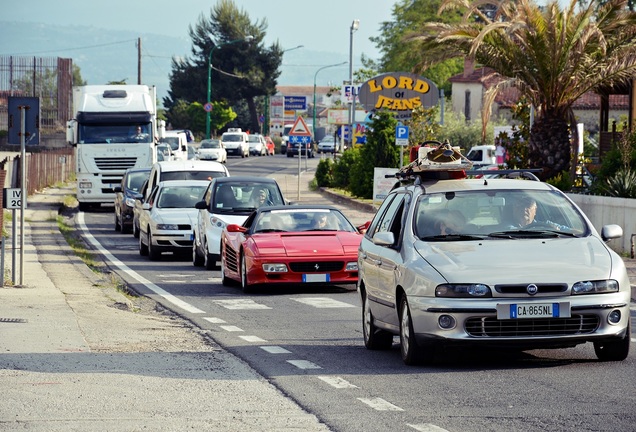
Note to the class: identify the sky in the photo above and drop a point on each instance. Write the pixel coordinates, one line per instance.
(322, 25)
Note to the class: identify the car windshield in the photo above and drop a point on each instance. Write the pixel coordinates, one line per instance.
(209, 144)
(192, 175)
(302, 219)
(173, 142)
(245, 196)
(232, 138)
(254, 139)
(180, 196)
(496, 214)
(135, 180)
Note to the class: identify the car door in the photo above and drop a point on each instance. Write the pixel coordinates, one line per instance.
(384, 258)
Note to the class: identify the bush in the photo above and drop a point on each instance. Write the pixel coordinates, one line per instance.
(342, 168)
(622, 184)
(324, 173)
(561, 182)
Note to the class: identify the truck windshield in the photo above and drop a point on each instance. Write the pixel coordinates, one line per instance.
(115, 133)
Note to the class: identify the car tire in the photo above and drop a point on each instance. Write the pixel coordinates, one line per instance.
(143, 249)
(208, 259)
(153, 251)
(245, 284)
(135, 230)
(374, 338)
(197, 260)
(289, 154)
(615, 350)
(412, 354)
(117, 226)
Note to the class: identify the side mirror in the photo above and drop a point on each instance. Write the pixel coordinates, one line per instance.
(201, 205)
(117, 189)
(145, 206)
(236, 228)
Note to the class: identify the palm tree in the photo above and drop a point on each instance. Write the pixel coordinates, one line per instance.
(551, 56)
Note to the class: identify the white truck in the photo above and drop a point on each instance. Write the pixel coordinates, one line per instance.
(114, 128)
(482, 155)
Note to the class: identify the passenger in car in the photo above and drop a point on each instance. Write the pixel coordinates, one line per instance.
(450, 222)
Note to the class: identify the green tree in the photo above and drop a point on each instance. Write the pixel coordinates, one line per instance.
(184, 115)
(379, 151)
(242, 69)
(397, 55)
(552, 56)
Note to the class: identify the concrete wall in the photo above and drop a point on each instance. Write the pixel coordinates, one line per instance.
(608, 210)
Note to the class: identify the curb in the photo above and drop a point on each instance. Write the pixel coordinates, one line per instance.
(339, 199)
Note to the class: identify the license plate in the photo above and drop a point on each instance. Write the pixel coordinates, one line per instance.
(316, 277)
(538, 310)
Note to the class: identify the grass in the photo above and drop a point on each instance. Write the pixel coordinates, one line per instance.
(77, 245)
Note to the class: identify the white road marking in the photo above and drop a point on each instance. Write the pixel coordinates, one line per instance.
(214, 320)
(232, 328)
(174, 275)
(337, 382)
(380, 404)
(255, 339)
(123, 267)
(304, 364)
(236, 304)
(427, 427)
(323, 302)
(275, 350)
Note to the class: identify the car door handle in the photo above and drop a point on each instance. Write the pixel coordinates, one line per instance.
(378, 262)
(364, 255)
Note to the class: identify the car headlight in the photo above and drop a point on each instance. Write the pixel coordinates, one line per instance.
(274, 268)
(167, 227)
(351, 266)
(130, 202)
(595, 287)
(463, 290)
(216, 222)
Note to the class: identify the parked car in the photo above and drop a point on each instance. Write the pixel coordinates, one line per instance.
(327, 144)
(500, 262)
(308, 244)
(212, 149)
(226, 201)
(175, 170)
(258, 146)
(167, 218)
(125, 193)
(270, 146)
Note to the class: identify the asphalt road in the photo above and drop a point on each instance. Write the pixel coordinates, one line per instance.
(308, 342)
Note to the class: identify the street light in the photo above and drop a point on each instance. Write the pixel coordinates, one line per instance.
(354, 27)
(207, 117)
(315, 75)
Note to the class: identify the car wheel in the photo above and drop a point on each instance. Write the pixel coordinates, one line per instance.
(117, 226)
(244, 282)
(289, 154)
(197, 260)
(208, 260)
(374, 338)
(84, 206)
(153, 251)
(143, 249)
(615, 350)
(411, 354)
(135, 230)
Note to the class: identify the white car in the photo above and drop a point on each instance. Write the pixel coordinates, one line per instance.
(503, 262)
(327, 145)
(212, 149)
(168, 216)
(228, 200)
(258, 146)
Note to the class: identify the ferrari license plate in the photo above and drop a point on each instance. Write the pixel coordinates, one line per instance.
(534, 310)
(316, 277)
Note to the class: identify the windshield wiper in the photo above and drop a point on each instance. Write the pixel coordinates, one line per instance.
(525, 234)
(452, 237)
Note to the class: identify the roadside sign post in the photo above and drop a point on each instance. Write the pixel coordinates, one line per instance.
(402, 140)
(300, 134)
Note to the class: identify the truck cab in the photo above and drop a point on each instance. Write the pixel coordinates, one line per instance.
(482, 155)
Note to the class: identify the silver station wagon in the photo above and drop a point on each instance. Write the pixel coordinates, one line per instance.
(489, 262)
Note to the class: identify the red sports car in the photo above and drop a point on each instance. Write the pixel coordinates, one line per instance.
(291, 245)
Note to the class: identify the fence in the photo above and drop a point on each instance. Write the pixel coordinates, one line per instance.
(49, 78)
(43, 168)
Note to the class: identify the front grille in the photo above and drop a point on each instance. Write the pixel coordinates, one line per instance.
(114, 164)
(316, 266)
(522, 288)
(231, 259)
(492, 327)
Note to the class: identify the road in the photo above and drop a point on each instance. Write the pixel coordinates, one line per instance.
(308, 342)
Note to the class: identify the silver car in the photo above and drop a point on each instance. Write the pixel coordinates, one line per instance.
(490, 263)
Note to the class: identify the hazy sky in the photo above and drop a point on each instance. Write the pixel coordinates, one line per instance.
(321, 25)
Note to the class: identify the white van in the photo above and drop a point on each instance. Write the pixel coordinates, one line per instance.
(175, 170)
(236, 142)
(178, 142)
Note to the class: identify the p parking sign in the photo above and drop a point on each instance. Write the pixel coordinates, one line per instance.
(402, 135)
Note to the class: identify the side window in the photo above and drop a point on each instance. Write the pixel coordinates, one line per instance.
(391, 220)
(378, 215)
(207, 197)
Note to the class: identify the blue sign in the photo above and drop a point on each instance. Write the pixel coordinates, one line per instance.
(295, 139)
(295, 103)
(402, 132)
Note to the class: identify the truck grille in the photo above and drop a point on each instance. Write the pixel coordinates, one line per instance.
(115, 164)
(492, 327)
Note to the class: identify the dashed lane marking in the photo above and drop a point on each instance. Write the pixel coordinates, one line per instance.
(380, 404)
(238, 304)
(254, 339)
(304, 364)
(275, 350)
(231, 328)
(337, 382)
(323, 302)
(427, 427)
(214, 320)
